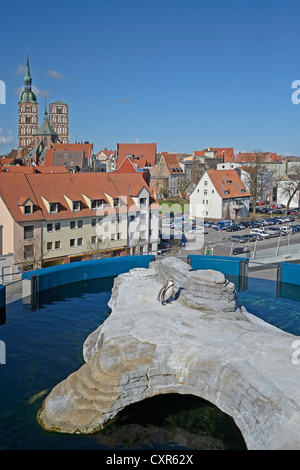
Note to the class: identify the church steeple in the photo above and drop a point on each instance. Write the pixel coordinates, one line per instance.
(28, 111)
(27, 78)
(27, 95)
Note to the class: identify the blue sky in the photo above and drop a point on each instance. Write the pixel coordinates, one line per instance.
(185, 74)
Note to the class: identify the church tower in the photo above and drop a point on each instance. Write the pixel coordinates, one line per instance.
(28, 112)
(59, 120)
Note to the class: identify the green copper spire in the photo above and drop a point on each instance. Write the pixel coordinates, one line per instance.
(27, 95)
(27, 78)
(45, 111)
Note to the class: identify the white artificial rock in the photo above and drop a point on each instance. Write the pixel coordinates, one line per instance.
(201, 343)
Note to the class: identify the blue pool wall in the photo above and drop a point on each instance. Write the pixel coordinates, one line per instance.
(55, 276)
(225, 264)
(289, 273)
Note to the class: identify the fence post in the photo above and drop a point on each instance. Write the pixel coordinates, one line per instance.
(34, 291)
(2, 304)
(278, 280)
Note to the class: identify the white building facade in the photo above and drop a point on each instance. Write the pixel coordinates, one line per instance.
(220, 194)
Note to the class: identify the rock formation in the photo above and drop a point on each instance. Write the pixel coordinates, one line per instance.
(202, 343)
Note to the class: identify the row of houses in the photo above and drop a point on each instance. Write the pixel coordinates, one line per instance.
(50, 216)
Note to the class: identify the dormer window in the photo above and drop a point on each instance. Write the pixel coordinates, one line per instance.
(53, 207)
(28, 209)
(116, 202)
(76, 206)
(97, 203)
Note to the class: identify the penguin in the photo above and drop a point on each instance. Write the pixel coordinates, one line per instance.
(166, 291)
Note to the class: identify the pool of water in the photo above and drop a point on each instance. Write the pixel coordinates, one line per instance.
(44, 346)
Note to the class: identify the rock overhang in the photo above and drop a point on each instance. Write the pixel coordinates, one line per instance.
(202, 343)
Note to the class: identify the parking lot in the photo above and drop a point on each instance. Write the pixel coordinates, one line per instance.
(277, 231)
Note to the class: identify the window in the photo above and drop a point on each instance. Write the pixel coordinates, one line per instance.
(59, 155)
(53, 207)
(28, 251)
(49, 245)
(96, 203)
(27, 210)
(143, 202)
(57, 226)
(113, 236)
(49, 227)
(93, 222)
(79, 241)
(119, 219)
(100, 238)
(205, 183)
(27, 119)
(28, 232)
(57, 245)
(205, 192)
(72, 224)
(100, 220)
(116, 202)
(132, 217)
(119, 236)
(72, 242)
(212, 191)
(76, 205)
(80, 224)
(93, 239)
(113, 220)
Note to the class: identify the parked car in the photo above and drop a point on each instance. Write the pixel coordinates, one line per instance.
(198, 230)
(249, 237)
(273, 231)
(240, 250)
(260, 232)
(286, 229)
(236, 238)
(233, 228)
(164, 245)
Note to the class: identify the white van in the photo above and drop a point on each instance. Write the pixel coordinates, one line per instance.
(259, 231)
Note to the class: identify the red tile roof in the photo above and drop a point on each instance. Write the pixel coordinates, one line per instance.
(54, 188)
(228, 181)
(128, 165)
(88, 148)
(30, 169)
(266, 157)
(172, 164)
(144, 154)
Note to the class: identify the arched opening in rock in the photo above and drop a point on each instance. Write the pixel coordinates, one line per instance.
(174, 421)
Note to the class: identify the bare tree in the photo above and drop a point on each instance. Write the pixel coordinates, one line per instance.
(183, 184)
(197, 171)
(98, 248)
(253, 179)
(30, 255)
(289, 186)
